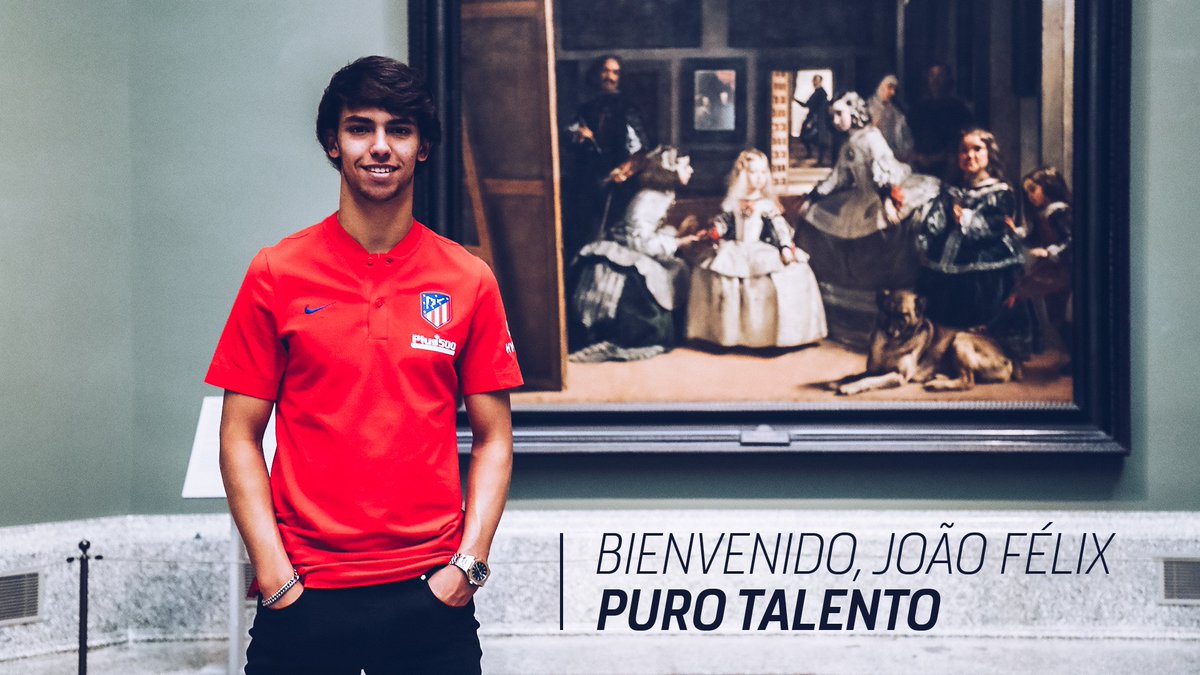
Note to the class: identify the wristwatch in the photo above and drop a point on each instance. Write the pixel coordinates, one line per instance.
(477, 571)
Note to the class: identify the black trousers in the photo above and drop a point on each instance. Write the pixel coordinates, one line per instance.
(398, 628)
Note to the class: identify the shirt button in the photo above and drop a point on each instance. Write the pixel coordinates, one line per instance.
(388, 261)
(370, 261)
(379, 302)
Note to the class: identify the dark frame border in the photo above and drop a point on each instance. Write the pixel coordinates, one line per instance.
(1098, 420)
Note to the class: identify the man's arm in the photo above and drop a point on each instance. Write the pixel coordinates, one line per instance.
(247, 487)
(487, 489)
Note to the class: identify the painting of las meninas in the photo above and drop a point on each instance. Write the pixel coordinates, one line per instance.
(781, 202)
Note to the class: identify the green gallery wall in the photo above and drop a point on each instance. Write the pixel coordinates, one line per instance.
(148, 149)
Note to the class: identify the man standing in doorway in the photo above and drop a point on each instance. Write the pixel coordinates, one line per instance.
(817, 131)
(364, 332)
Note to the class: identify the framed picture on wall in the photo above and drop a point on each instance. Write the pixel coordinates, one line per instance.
(714, 93)
(950, 175)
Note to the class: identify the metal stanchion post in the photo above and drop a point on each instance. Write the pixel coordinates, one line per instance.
(84, 545)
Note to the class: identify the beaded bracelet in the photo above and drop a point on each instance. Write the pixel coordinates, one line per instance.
(283, 591)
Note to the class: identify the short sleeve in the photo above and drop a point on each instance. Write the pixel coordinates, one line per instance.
(489, 360)
(250, 355)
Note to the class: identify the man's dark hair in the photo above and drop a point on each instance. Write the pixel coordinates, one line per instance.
(597, 66)
(377, 82)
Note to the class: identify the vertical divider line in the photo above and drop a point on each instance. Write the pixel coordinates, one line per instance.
(561, 568)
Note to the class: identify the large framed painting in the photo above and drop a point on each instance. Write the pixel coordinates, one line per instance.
(795, 225)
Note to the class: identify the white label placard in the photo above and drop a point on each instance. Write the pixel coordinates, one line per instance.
(203, 479)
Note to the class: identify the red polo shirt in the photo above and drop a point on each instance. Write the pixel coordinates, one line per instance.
(367, 357)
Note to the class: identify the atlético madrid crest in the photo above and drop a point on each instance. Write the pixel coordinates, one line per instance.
(435, 308)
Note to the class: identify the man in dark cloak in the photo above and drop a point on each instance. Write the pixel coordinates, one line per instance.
(607, 137)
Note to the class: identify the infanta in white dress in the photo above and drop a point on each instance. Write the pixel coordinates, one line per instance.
(756, 289)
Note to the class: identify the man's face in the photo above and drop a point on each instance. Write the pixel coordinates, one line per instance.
(378, 151)
(936, 79)
(610, 76)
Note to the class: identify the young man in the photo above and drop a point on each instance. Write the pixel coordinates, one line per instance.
(364, 332)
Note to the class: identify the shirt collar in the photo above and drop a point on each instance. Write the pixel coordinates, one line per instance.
(347, 247)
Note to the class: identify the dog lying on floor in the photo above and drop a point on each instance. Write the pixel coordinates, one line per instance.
(907, 347)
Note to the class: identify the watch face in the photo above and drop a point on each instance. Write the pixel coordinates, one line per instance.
(478, 572)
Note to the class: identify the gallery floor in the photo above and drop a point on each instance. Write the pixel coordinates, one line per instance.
(778, 655)
(696, 373)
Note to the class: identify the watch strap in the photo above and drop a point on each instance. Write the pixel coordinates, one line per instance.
(476, 570)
